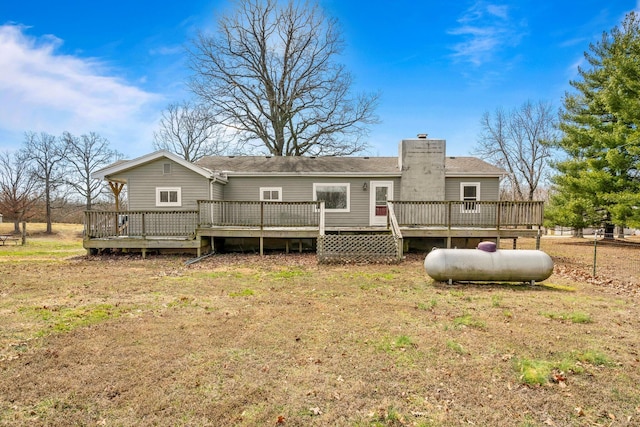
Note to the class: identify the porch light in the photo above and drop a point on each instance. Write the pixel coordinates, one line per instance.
(365, 186)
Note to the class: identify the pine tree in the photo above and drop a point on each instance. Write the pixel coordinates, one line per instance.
(598, 182)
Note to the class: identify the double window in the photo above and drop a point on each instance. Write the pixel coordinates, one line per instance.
(271, 194)
(334, 195)
(469, 194)
(168, 196)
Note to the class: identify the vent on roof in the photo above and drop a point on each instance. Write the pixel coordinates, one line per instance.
(267, 157)
(452, 157)
(231, 157)
(312, 157)
(366, 158)
(422, 136)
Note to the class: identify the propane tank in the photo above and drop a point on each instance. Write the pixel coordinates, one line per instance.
(486, 264)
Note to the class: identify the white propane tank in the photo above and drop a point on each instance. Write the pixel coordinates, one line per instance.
(476, 265)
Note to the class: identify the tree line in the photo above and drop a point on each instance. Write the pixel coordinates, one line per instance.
(48, 170)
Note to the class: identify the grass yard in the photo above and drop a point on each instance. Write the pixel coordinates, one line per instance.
(243, 340)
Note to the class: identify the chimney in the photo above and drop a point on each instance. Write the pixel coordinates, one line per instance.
(421, 163)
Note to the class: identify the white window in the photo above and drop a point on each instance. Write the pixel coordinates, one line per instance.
(271, 194)
(335, 196)
(470, 194)
(168, 196)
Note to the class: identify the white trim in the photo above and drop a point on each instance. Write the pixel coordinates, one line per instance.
(334, 184)
(278, 189)
(373, 218)
(178, 190)
(463, 207)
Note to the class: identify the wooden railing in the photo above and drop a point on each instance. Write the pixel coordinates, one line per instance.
(104, 224)
(451, 214)
(217, 213)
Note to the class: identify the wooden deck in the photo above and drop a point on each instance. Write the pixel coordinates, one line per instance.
(198, 230)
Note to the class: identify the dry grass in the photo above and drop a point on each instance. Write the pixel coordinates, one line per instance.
(240, 340)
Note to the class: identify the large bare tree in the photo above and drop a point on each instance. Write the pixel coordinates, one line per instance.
(46, 153)
(84, 155)
(190, 131)
(18, 191)
(270, 73)
(519, 141)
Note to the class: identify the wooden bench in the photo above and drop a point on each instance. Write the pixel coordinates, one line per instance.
(4, 238)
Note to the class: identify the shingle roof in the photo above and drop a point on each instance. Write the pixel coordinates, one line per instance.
(291, 164)
(336, 165)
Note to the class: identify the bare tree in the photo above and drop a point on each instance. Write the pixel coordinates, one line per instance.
(18, 191)
(270, 74)
(84, 155)
(519, 142)
(46, 153)
(188, 130)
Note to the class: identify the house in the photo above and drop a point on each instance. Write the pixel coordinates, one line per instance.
(353, 207)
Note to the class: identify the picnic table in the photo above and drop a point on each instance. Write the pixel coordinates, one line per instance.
(8, 237)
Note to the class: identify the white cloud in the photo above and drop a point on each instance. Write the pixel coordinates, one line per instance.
(485, 29)
(43, 90)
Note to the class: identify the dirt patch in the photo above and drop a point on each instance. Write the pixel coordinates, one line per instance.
(281, 340)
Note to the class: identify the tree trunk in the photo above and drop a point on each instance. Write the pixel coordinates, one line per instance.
(47, 198)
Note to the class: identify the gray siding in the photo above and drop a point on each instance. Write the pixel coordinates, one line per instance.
(217, 191)
(143, 181)
(296, 188)
(489, 188)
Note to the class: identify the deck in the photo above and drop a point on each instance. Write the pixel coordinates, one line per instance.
(199, 229)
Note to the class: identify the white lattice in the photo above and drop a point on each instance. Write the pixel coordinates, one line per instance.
(358, 248)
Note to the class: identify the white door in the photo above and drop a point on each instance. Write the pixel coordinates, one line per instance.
(380, 192)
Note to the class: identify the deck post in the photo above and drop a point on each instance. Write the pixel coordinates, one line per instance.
(144, 227)
(261, 245)
(321, 219)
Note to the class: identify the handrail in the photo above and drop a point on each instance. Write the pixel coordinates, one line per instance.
(393, 221)
(142, 223)
(237, 213)
(482, 214)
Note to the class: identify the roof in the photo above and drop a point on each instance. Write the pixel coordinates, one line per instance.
(373, 166)
(124, 165)
(471, 166)
(213, 167)
(298, 165)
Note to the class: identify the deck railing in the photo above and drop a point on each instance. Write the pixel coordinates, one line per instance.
(217, 213)
(103, 224)
(452, 214)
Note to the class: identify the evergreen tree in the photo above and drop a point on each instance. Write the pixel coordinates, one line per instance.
(598, 182)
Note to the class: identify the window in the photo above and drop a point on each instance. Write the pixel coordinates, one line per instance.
(168, 196)
(166, 168)
(335, 196)
(271, 194)
(469, 194)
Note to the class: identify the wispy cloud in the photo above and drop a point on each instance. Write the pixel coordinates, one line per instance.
(44, 90)
(486, 29)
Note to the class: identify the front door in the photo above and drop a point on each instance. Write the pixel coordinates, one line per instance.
(380, 192)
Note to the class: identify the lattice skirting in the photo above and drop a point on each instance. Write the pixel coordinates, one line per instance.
(358, 248)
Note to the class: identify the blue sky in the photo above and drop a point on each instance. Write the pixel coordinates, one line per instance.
(112, 67)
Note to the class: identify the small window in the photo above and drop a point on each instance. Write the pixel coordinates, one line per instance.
(168, 196)
(469, 194)
(335, 196)
(271, 194)
(166, 168)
